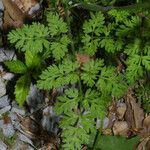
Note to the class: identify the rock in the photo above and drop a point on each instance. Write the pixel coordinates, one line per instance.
(34, 99)
(105, 123)
(4, 101)
(19, 145)
(1, 123)
(3, 146)
(5, 109)
(25, 139)
(50, 120)
(8, 76)
(7, 55)
(2, 87)
(1, 6)
(18, 110)
(8, 129)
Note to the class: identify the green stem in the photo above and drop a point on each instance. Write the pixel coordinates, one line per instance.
(69, 32)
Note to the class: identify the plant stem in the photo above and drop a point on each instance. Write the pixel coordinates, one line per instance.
(69, 32)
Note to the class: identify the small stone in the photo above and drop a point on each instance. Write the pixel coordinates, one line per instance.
(8, 130)
(19, 145)
(5, 109)
(18, 111)
(7, 55)
(4, 101)
(34, 9)
(1, 5)
(34, 99)
(1, 124)
(2, 87)
(8, 76)
(25, 139)
(3, 146)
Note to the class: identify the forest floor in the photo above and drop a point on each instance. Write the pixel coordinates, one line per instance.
(35, 126)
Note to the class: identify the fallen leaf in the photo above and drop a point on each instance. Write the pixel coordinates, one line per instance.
(143, 143)
(13, 16)
(134, 111)
(121, 128)
(82, 58)
(121, 111)
(146, 122)
(25, 5)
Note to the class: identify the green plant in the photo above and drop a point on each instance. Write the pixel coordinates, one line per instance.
(115, 143)
(143, 95)
(91, 83)
(28, 70)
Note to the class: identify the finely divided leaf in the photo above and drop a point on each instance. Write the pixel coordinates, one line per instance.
(56, 24)
(57, 76)
(146, 62)
(111, 83)
(60, 48)
(68, 102)
(90, 71)
(30, 37)
(134, 69)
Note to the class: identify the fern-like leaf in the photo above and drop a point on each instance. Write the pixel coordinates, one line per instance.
(56, 24)
(91, 70)
(111, 83)
(134, 69)
(68, 102)
(95, 104)
(78, 137)
(146, 62)
(133, 48)
(30, 37)
(60, 48)
(56, 76)
(128, 27)
(95, 24)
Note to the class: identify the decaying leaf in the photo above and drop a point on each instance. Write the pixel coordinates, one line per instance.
(134, 113)
(121, 111)
(25, 5)
(82, 58)
(146, 122)
(13, 16)
(143, 143)
(120, 128)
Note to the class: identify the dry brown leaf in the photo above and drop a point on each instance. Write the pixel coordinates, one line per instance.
(112, 115)
(25, 5)
(82, 58)
(143, 143)
(121, 128)
(121, 111)
(145, 132)
(146, 122)
(107, 131)
(134, 113)
(13, 17)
